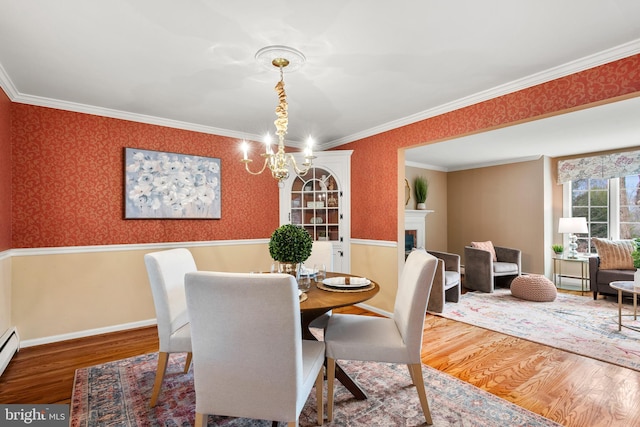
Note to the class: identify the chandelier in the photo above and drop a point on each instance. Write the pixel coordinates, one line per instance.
(279, 163)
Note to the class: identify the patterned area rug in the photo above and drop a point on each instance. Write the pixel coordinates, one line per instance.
(572, 323)
(117, 394)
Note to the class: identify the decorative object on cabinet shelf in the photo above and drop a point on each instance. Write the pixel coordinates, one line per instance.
(421, 188)
(323, 183)
(315, 205)
(280, 162)
(332, 201)
(316, 220)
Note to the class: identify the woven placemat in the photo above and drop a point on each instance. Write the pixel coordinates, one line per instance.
(321, 285)
(303, 297)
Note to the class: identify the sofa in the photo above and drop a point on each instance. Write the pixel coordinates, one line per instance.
(613, 263)
(599, 279)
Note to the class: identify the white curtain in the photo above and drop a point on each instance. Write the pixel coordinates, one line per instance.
(605, 166)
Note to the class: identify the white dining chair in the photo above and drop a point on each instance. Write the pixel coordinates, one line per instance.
(166, 271)
(249, 358)
(321, 253)
(394, 340)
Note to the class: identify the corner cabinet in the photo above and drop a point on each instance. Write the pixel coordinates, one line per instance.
(320, 202)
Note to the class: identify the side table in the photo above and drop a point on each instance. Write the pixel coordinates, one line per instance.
(584, 271)
(628, 287)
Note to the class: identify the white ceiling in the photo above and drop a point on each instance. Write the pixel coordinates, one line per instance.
(371, 66)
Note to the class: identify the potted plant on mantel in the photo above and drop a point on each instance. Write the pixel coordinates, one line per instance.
(290, 245)
(421, 189)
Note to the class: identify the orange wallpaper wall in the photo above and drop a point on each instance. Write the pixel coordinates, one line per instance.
(67, 167)
(5, 172)
(67, 171)
(374, 172)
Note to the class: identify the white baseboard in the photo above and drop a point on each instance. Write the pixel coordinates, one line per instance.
(375, 310)
(87, 333)
(134, 325)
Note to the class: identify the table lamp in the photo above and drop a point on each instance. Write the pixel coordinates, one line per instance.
(572, 226)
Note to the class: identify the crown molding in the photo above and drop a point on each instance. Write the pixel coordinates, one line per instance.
(600, 58)
(425, 166)
(619, 52)
(7, 85)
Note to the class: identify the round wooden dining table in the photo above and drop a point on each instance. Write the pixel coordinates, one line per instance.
(319, 302)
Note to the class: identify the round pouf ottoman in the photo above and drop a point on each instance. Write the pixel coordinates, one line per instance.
(533, 287)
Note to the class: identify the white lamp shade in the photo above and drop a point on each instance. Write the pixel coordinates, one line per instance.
(573, 225)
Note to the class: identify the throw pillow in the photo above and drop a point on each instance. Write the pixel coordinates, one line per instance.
(486, 246)
(614, 254)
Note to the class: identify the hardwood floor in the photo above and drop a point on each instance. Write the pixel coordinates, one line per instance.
(570, 389)
(45, 373)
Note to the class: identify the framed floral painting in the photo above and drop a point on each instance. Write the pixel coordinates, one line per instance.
(161, 185)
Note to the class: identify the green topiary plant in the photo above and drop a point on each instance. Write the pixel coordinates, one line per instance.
(290, 244)
(636, 253)
(557, 248)
(421, 189)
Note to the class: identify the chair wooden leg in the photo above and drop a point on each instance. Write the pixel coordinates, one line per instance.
(416, 375)
(201, 420)
(163, 359)
(331, 374)
(413, 380)
(320, 406)
(187, 364)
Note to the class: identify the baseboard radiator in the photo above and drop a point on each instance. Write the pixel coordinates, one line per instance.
(9, 346)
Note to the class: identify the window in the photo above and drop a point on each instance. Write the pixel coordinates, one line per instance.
(629, 221)
(611, 207)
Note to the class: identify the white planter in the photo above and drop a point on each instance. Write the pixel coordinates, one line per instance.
(421, 206)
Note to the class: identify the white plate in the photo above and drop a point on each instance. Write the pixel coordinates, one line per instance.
(340, 282)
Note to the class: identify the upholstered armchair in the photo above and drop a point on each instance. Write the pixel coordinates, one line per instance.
(446, 283)
(481, 267)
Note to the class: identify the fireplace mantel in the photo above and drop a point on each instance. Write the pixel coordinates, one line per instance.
(414, 220)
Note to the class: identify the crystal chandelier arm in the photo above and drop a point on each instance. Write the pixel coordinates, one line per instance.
(246, 162)
(305, 166)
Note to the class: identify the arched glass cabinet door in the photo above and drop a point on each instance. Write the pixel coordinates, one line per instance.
(319, 201)
(315, 204)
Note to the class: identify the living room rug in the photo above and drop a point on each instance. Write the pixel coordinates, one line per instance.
(574, 323)
(117, 394)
